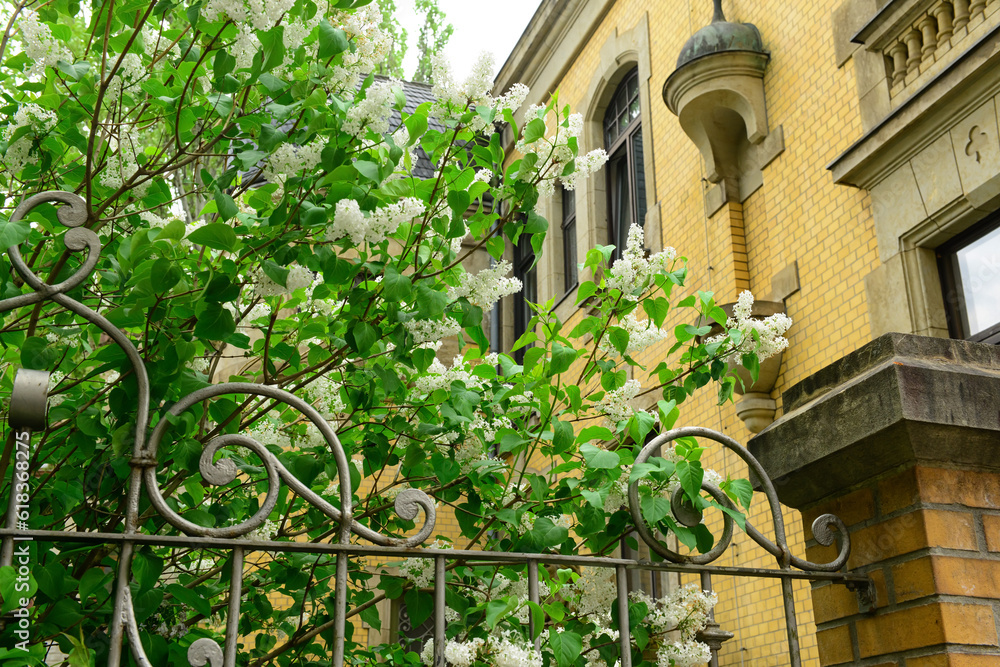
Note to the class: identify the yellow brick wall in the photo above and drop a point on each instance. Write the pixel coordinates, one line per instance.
(798, 215)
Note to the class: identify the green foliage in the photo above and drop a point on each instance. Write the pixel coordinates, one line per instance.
(256, 226)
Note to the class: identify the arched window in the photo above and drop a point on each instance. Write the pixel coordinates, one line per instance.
(626, 176)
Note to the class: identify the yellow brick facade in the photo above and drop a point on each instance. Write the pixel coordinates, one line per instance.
(799, 215)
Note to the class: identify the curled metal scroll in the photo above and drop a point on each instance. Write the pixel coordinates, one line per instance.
(203, 652)
(408, 503)
(73, 214)
(825, 528)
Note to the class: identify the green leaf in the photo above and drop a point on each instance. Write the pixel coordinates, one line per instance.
(619, 339)
(548, 534)
(656, 309)
(75, 71)
(690, 474)
(562, 358)
(430, 302)
(497, 610)
(740, 490)
(594, 498)
(226, 205)
(80, 656)
(566, 647)
(13, 233)
(537, 618)
(213, 322)
(640, 425)
(562, 436)
(534, 130)
(612, 380)
(368, 169)
(396, 286)
(595, 433)
(458, 201)
(216, 235)
(599, 458)
(419, 606)
(654, 508)
(532, 357)
(147, 569)
(331, 42)
(191, 598)
(37, 354)
(275, 272)
(737, 516)
(416, 126)
(752, 364)
(164, 275)
(361, 336)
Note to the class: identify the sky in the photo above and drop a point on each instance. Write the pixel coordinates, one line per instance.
(479, 26)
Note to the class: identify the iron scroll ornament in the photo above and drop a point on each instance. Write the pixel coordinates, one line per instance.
(825, 528)
(73, 215)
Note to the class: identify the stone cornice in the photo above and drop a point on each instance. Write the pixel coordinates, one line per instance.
(897, 401)
(954, 93)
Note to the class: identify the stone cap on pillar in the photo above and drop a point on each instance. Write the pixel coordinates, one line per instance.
(897, 401)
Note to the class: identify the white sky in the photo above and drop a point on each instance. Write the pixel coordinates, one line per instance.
(479, 26)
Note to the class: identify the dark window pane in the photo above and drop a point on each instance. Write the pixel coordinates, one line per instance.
(569, 253)
(524, 257)
(621, 206)
(639, 178)
(569, 238)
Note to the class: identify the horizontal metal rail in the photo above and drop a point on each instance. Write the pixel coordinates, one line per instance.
(481, 557)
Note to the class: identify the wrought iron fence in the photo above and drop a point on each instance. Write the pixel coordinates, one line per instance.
(28, 414)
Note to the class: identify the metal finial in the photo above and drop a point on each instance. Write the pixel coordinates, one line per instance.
(718, 16)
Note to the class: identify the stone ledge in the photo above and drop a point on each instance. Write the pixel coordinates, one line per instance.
(897, 401)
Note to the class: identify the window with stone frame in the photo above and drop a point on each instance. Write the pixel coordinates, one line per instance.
(970, 277)
(625, 170)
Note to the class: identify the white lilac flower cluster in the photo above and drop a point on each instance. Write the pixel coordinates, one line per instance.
(485, 288)
(615, 403)
(489, 425)
(40, 47)
(349, 221)
(420, 571)
(267, 431)
(641, 334)
(596, 590)
(685, 610)
(122, 163)
(770, 331)
(290, 159)
(18, 154)
(455, 97)
(262, 533)
(299, 277)
(632, 272)
(553, 153)
(428, 331)
(503, 649)
(439, 376)
(325, 396)
(254, 15)
(175, 631)
(371, 45)
(374, 110)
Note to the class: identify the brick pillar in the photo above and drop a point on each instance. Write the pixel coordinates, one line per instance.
(901, 439)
